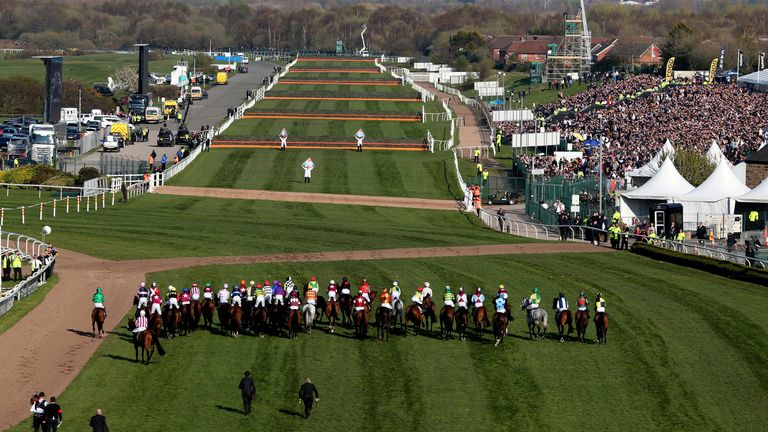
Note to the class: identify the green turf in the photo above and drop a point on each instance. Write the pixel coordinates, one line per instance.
(681, 356)
(312, 106)
(322, 64)
(377, 173)
(342, 90)
(169, 226)
(22, 307)
(296, 75)
(88, 69)
(14, 197)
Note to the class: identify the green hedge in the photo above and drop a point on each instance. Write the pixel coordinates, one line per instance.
(31, 174)
(710, 265)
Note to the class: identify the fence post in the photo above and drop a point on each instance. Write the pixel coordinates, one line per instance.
(95, 203)
(67, 205)
(88, 203)
(103, 199)
(2, 216)
(23, 215)
(54, 208)
(41, 211)
(78, 203)
(113, 198)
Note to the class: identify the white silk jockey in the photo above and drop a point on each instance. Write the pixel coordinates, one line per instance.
(332, 289)
(141, 322)
(427, 291)
(461, 299)
(195, 291)
(208, 292)
(223, 294)
(395, 291)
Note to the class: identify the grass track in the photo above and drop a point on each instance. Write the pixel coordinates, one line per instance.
(680, 357)
(22, 307)
(336, 106)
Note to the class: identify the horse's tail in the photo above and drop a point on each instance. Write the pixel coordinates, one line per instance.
(160, 349)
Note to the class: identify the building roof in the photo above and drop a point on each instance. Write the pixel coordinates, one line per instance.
(528, 47)
(537, 44)
(761, 157)
(502, 42)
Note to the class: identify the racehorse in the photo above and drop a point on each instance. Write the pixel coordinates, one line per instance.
(235, 319)
(481, 320)
(446, 321)
(321, 305)
(247, 315)
(345, 301)
(333, 312)
(561, 319)
(430, 315)
(499, 327)
(145, 340)
(98, 315)
(223, 313)
(536, 318)
(309, 317)
(294, 323)
(260, 318)
(462, 320)
(277, 318)
(208, 308)
(172, 319)
(582, 321)
(187, 319)
(196, 312)
(361, 323)
(414, 315)
(383, 322)
(601, 326)
(155, 323)
(397, 308)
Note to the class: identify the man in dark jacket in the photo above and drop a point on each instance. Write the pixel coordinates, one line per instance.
(701, 233)
(248, 391)
(99, 422)
(308, 394)
(53, 416)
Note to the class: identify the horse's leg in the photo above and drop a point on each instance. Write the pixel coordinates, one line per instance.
(136, 349)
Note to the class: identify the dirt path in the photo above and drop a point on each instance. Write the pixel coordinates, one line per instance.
(47, 348)
(470, 133)
(306, 197)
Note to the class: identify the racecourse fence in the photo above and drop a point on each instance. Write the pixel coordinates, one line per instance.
(28, 247)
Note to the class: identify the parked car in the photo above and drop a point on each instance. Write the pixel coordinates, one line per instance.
(93, 126)
(183, 136)
(73, 132)
(103, 90)
(242, 69)
(165, 138)
(110, 143)
(503, 198)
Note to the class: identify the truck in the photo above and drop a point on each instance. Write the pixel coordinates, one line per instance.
(222, 78)
(121, 129)
(138, 103)
(153, 115)
(170, 107)
(196, 93)
(43, 143)
(69, 115)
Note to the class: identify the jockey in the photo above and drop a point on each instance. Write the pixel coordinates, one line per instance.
(157, 301)
(295, 302)
(243, 290)
(461, 298)
(172, 297)
(267, 292)
(502, 292)
(141, 322)
(366, 290)
(289, 286)
(599, 304)
(448, 297)
(311, 297)
(223, 294)
(237, 297)
(395, 291)
(143, 296)
(251, 290)
(278, 293)
(313, 285)
(98, 300)
(386, 299)
(186, 298)
(582, 303)
(258, 293)
(154, 290)
(427, 291)
(346, 287)
(534, 299)
(501, 305)
(360, 301)
(332, 288)
(418, 297)
(208, 291)
(478, 298)
(562, 305)
(195, 292)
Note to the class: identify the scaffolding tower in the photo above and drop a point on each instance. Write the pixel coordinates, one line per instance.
(574, 54)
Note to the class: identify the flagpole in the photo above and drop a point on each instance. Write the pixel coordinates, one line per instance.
(738, 64)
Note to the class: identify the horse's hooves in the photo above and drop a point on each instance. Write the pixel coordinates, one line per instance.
(562, 340)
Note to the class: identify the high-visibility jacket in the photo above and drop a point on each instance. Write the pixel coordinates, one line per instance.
(6, 262)
(16, 261)
(485, 175)
(479, 167)
(753, 216)
(477, 152)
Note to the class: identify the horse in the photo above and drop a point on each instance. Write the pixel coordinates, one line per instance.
(499, 327)
(397, 312)
(247, 315)
(155, 323)
(446, 321)
(481, 320)
(187, 319)
(345, 301)
(293, 323)
(601, 326)
(260, 318)
(582, 321)
(462, 321)
(196, 312)
(145, 340)
(277, 318)
(171, 321)
(321, 305)
(361, 323)
(208, 308)
(414, 315)
(309, 317)
(235, 320)
(383, 322)
(536, 318)
(98, 315)
(430, 316)
(333, 312)
(561, 319)
(223, 312)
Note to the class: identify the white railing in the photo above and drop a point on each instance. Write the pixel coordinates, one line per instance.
(174, 170)
(469, 152)
(33, 281)
(462, 184)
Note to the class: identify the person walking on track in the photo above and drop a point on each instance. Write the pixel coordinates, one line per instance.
(99, 422)
(309, 395)
(247, 391)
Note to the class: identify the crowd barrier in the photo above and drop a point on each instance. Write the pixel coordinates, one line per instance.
(30, 247)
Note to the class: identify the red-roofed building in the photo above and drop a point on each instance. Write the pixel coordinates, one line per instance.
(651, 56)
(534, 48)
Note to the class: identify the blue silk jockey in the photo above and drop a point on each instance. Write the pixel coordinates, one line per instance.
(237, 297)
(500, 305)
(562, 305)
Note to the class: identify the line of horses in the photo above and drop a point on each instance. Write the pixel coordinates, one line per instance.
(280, 320)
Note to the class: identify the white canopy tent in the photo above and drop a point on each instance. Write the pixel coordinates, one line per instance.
(714, 196)
(665, 185)
(715, 154)
(755, 80)
(758, 195)
(650, 169)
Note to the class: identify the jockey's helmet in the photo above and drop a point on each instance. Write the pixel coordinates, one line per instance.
(312, 279)
(426, 284)
(142, 313)
(535, 290)
(141, 285)
(226, 286)
(447, 289)
(333, 282)
(394, 283)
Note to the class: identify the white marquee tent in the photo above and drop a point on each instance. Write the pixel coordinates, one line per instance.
(650, 169)
(757, 195)
(715, 155)
(714, 196)
(665, 185)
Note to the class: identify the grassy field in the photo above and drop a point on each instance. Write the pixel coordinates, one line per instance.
(88, 69)
(341, 90)
(377, 173)
(310, 106)
(13, 197)
(682, 356)
(170, 226)
(337, 76)
(330, 64)
(20, 308)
